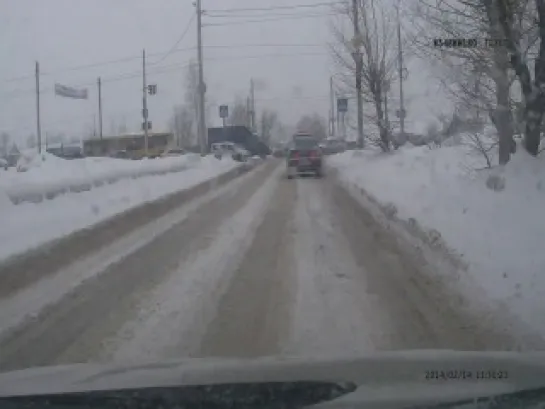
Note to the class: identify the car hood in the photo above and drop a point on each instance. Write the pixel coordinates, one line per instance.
(385, 379)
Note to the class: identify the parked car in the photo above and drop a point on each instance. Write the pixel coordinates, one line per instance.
(121, 154)
(332, 146)
(236, 152)
(304, 156)
(173, 152)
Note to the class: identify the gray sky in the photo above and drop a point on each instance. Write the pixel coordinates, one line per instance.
(78, 40)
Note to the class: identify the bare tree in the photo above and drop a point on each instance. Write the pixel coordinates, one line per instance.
(5, 144)
(314, 124)
(378, 48)
(191, 96)
(182, 126)
(184, 118)
(239, 114)
(122, 127)
(269, 120)
(479, 76)
(280, 133)
(31, 141)
(533, 89)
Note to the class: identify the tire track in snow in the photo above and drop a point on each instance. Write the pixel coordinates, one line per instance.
(254, 315)
(173, 321)
(74, 328)
(335, 314)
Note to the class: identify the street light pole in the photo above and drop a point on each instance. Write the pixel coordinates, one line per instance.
(38, 120)
(145, 102)
(202, 86)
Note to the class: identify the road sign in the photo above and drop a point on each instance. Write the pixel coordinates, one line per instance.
(152, 89)
(224, 111)
(401, 113)
(144, 125)
(342, 105)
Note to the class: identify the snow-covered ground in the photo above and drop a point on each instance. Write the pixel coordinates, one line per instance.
(499, 235)
(87, 191)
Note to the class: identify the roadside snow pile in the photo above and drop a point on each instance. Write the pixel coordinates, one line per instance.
(28, 225)
(492, 219)
(47, 176)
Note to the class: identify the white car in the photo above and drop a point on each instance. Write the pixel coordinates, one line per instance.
(238, 153)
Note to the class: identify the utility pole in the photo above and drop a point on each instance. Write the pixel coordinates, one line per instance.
(332, 107)
(145, 102)
(99, 84)
(252, 96)
(248, 113)
(358, 58)
(38, 124)
(202, 86)
(402, 112)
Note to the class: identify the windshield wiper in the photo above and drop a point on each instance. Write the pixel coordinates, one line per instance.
(270, 395)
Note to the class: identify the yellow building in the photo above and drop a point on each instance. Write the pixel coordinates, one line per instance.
(131, 144)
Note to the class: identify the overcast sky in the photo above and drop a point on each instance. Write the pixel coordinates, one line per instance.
(75, 41)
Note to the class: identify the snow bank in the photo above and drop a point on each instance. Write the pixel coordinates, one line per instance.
(47, 176)
(499, 235)
(27, 224)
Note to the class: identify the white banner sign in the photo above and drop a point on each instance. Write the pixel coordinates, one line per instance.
(69, 92)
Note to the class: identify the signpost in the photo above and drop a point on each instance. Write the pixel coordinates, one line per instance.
(224, 111)
(342, 108)
(224, 114)
(342, 105)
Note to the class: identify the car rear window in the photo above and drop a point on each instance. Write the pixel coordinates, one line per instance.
(305, 142)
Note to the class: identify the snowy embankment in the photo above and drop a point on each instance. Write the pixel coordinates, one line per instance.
(497, 235)
(52, 176)
(84, 192)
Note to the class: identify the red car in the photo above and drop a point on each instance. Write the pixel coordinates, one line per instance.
(304, 156)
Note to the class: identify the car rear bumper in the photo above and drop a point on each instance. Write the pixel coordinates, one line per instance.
(312, 166)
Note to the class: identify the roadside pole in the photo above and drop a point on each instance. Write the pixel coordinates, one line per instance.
(99, 85)
(38, 122)
(145, 103)
(202, 86)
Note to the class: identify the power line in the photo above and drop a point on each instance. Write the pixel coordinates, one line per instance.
(292, 7)
(176, 67)
(266, 20)
(132, 58)
(178, 41)
(270, 15)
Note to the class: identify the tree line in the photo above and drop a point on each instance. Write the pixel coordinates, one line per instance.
(500, 81)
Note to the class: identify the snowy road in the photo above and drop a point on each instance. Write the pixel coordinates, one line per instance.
(261, 265)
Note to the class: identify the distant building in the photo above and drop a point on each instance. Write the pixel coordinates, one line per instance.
(132, 144)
